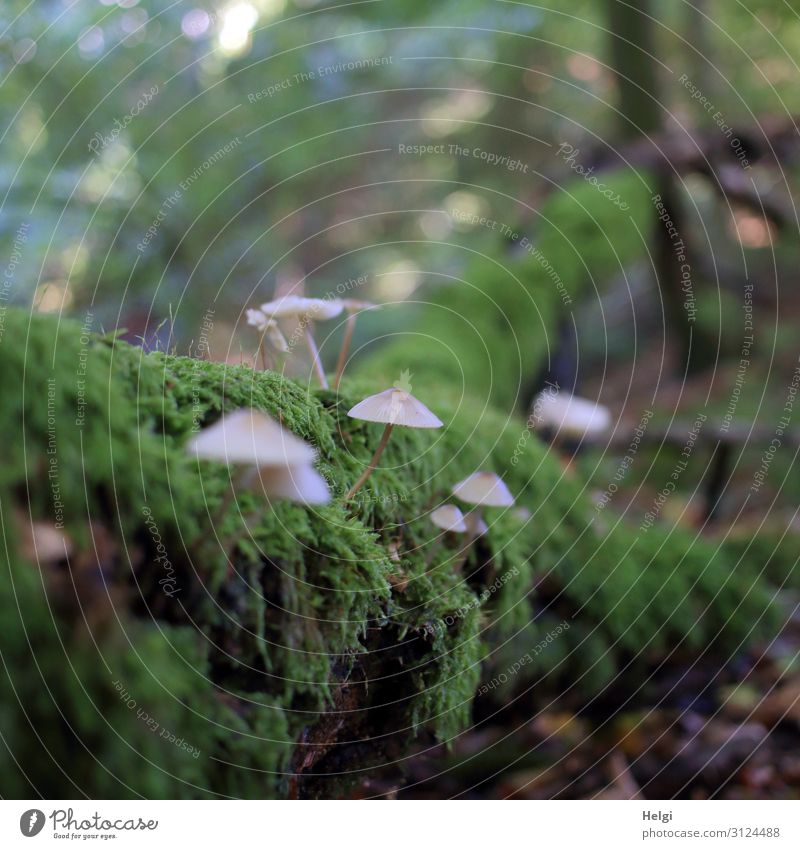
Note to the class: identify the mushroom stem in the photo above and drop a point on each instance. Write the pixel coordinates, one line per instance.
(232, 540)
(312, 348)
(460, 563)
(348, 338)
(472, 520)
(387, 432)
(240, 479)
(434, 549)
(262, 350)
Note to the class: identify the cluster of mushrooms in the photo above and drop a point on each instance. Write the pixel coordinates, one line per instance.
(303, 312)
(262, 451)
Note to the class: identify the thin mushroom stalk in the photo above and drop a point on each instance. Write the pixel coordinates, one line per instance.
(240, 479)
(275, 343)
(314, 351)
(451, 522)
(257, 319)
(352, 307)
(262, 352)
(392, 407)
(346, 342)
(476, 529)
(306, 311)
(435, 549)
(387, 432)
(480, 489)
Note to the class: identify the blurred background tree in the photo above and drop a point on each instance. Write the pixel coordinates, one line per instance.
(315, 99)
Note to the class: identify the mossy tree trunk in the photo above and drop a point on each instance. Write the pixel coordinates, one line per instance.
(144, 658)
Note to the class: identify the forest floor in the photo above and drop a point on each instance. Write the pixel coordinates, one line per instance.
(731, 733)
(702, 729)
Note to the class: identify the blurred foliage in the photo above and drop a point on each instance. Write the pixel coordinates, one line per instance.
(314, 185)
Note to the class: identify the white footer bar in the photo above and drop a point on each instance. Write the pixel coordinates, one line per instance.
(402, 825)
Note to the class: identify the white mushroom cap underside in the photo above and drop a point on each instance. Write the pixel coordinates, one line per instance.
(571, 415)
(449, 518)
(302, 484)
(293, 306)
(395, 407)
(485, 489)
(250, 436)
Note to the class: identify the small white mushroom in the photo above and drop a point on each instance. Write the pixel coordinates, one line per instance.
(352, 308)
(306, 311)
(270, 332)
(251, 439)
(481, 489)
(449, 518)
(522, 514)
(570, 417)
(45, 543)
(257, 319)
(393, 407)
(484, 489)
(301, 484)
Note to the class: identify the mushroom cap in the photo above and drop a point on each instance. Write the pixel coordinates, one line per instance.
(485, 489)
(252, 437)
(449, 518)
(293, 306)
(269, 327)
(572, 416)
(395, 407)
(257, 319)
(45, 543)
(303, 484)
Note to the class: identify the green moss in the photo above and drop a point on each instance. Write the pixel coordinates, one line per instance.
(269, 650)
